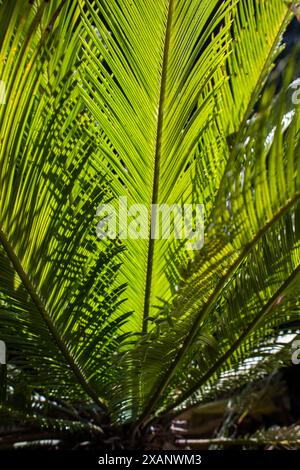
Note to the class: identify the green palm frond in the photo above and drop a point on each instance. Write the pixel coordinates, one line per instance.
(57, 283)
(164, 115)
(149, 118)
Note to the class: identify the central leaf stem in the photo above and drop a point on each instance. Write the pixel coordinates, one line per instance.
(157, 159)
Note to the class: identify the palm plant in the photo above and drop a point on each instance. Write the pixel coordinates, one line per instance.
(163, 102)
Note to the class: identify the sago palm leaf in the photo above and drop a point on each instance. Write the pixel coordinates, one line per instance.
(57, 288)
(166, 105)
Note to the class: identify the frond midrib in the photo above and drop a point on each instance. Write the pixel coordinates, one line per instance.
(157, 155)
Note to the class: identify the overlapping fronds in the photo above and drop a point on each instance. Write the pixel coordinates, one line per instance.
(152, 101)
(57, 282)
(244, 282)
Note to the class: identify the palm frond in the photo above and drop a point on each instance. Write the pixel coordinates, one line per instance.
(57, 283)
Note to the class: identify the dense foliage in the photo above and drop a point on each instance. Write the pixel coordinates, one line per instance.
(162, 102)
